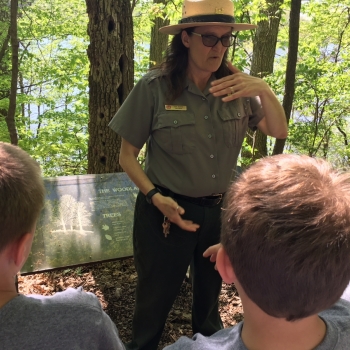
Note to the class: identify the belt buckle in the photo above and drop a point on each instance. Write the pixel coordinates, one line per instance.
(220, 198)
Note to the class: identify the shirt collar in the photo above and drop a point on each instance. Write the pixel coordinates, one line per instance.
(191, 87)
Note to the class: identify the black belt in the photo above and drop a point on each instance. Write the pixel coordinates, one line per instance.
(207, 201)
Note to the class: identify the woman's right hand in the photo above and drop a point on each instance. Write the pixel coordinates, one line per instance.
(173, 212)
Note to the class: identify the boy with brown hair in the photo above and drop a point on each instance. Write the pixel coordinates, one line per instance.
(71, 319)
(286, 246)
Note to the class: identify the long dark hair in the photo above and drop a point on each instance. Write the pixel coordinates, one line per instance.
(174, 66)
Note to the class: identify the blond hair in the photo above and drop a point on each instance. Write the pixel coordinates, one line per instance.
(21, 193)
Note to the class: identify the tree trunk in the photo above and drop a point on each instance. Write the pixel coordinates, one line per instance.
(111, 55)
(4, 45)
(294, 24)
(3, 74)
(5, 17)
(264, 48)
(10, 120)
(159, 41)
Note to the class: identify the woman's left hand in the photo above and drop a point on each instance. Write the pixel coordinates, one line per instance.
(212, 252)
(238, 85)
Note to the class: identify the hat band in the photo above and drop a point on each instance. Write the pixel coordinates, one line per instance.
(208, 18)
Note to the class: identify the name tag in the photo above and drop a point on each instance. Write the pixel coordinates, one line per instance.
(175, 108)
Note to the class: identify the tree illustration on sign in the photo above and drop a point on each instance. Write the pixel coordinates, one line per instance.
(82, 216)
(72, 216)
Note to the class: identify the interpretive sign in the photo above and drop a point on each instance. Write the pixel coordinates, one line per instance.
(86, 218)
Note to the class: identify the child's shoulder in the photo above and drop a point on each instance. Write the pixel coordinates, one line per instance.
(70, 298)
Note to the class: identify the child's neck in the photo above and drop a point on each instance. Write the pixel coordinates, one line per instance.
(261, 331)
(6, 296)
(7, 288)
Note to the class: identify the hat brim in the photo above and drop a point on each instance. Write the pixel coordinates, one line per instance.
(176, 28)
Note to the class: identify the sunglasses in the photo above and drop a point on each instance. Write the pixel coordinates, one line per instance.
(212, 40)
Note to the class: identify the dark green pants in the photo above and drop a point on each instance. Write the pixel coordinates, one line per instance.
(161, 264)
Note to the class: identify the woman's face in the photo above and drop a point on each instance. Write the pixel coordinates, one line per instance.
(200, 57)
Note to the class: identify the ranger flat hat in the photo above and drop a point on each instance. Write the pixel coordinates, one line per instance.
(198, 13)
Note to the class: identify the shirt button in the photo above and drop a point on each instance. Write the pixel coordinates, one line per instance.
(209, 136)
(206, 117)
(212, 156)
(213, 176)
(238, 114)
(175, 122)
(203, 98)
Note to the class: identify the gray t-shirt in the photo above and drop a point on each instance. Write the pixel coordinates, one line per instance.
(69, 320)
(194, 141)
(337, 320)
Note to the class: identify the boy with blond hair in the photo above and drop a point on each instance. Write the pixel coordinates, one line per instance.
(71, 319)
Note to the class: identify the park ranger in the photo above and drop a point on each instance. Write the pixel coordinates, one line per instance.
(193, 111)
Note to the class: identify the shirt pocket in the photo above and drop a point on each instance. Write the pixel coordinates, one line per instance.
(175, 132)
(234, 123)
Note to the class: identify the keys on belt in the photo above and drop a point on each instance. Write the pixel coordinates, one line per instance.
(166, 226)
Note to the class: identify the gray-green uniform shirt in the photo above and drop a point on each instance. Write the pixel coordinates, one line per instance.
(193, 144)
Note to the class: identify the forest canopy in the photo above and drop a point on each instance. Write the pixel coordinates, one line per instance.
(52, 102)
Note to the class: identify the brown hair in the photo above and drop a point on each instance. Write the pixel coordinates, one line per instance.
(21, 193)
(286, 230)
(175, 62)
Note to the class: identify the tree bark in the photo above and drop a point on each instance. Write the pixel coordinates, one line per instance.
(4, 46)
(111, 55)
(3, 68)
(264, 49)
(159, 41)
(10, 119)
(294, 24)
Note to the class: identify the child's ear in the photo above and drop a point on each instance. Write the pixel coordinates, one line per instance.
(224, 266)
(22, 249)
(185, 38)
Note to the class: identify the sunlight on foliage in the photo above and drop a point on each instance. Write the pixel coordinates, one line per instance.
(321, 110)
(54, 96)
(52, 103)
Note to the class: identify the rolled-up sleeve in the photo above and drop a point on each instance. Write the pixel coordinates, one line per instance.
(256, 113)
